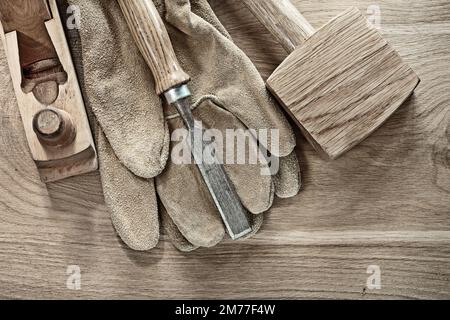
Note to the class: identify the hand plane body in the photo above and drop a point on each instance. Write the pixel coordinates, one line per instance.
(47, 90)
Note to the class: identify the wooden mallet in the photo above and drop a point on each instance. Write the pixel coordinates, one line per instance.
(339, 83)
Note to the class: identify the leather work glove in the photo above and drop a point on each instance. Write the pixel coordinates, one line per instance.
(133, 139)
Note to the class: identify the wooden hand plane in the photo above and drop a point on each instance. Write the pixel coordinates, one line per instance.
(47, 89)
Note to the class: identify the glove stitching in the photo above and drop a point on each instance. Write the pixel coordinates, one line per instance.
(196, 104)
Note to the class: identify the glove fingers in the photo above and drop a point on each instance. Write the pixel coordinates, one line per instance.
(288, 179)
(120, 89)
(180, 242)
(256, 191)
(130, 199)
(182, 190)
(247, 169)
(190, 206)
(184, 193)
(257, 221)
(175, 236)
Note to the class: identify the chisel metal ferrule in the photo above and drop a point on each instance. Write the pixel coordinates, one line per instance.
(176, 94)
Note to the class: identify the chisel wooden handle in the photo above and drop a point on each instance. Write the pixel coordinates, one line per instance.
(283, 20)
(154, 43)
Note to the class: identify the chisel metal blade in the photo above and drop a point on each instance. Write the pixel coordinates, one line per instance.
(219, 184)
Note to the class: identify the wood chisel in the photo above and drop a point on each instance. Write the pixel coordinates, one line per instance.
(152, 38)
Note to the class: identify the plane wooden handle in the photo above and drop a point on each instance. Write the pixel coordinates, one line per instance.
(27, 18)
(283, 20)
(154, 43)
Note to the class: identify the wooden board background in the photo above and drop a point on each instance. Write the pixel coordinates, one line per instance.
(385, 203)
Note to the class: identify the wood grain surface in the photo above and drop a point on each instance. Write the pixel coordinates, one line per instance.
(385, 203)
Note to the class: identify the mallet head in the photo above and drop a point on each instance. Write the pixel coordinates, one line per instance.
(342, 83)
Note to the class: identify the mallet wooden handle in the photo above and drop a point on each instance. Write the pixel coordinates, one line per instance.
(283, 20)
(154, 43)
